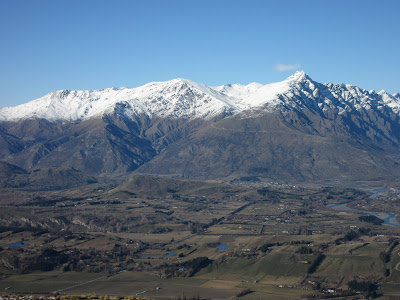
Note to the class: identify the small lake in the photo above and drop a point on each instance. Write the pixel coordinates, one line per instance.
(17, 245)
(222, 247)
(388, 218)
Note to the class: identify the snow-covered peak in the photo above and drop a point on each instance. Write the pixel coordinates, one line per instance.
(174, 98)
(183, 98)
(298, 76)
(390, 100)
(269, 95)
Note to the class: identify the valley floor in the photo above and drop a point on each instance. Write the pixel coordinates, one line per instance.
(168, 239)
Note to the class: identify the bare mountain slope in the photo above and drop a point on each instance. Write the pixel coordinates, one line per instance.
(297, 129)
(271, 147)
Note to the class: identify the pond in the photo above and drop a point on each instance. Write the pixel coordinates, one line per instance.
(17, 245)
(222, 247)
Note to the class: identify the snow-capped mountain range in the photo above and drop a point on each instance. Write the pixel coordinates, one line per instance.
(296, 129)
(182, 98)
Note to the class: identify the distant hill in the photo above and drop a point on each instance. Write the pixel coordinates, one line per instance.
(146, 185)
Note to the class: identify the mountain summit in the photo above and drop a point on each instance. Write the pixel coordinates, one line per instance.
(182, 98)
(296, 129)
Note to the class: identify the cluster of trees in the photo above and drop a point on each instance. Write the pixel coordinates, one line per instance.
(48, 260)
(300, 242)
(371, 219)
(16, 229)
(243, 293)
(161, 229)
(265, 247)
(369, 288)
(42, 201)
(185, 269)
(353, 235)
(304, 250)
(90, 260)
(319, 259)
(113, 202)
(385, 255)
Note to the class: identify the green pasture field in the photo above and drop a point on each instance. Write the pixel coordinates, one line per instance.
(273, 264)
(45, 282)
(135, 283)
(273, 291)
(347, 268)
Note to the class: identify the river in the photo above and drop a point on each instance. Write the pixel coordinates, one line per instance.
(388, 218)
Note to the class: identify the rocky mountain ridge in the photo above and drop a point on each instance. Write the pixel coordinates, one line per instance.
(182, 98)
(297, 129)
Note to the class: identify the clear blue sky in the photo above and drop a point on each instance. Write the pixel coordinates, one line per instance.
(49, 45)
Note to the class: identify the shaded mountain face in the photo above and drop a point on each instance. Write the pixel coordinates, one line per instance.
(279, 147)
(94, 146)
(296, 130)
(12, 176)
